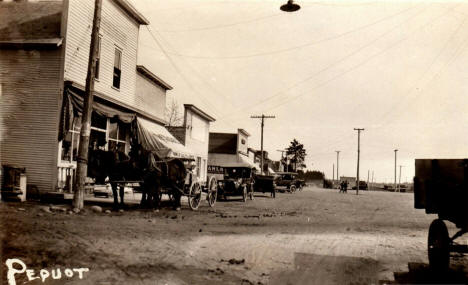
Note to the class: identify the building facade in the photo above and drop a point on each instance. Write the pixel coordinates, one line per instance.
(195, 135)
(230, 149)
(43, 68)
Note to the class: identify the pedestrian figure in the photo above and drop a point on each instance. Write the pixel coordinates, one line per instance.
(345, 190)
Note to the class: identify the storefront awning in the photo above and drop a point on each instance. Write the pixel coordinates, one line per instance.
(157, 138)
(240, 161)
(72, 106)
(76, 99)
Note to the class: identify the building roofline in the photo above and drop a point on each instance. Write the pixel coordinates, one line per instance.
(244, 132)
(131, 11)
(151, 76)
(199, 112)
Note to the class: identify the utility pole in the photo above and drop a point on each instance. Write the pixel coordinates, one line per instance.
(396, 150)
(82, 160)
(333, 179)
(399, 179)
(337, 164)
(368, 172)
(358, 153)
(263, 117)
(281, 161)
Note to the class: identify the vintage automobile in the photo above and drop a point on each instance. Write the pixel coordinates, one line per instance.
(264, 184)
(362, 185)
(233, 180)
(287, 181)
(441, 187)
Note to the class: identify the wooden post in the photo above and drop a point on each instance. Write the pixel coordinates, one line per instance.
(82, 159)
(358, 153)
(263, 117)
(395, 185)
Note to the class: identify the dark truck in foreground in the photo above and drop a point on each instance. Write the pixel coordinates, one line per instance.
(441, 187)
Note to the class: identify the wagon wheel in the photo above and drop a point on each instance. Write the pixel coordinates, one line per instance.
(438, 244)
(212, 191)
(244, 194)
(292, 189)
(194, 196)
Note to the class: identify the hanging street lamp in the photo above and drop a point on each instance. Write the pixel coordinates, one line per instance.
(290, 7)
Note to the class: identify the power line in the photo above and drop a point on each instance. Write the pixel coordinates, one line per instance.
(197, 73)
(297, 46)
(342, 73)
(216, 27)
(386, 117)
(183, 76)
(354, 52)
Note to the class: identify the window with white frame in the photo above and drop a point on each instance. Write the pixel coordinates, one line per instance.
(117, 68)
(117, 134)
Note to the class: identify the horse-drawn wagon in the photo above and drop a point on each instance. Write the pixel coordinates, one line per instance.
(157, 162)
(441, 187)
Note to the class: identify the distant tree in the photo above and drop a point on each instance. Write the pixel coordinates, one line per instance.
(297, 154)
(313, 175)
(173, 115)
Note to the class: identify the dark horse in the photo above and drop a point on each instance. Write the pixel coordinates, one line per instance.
(141, 165)
(168, 174)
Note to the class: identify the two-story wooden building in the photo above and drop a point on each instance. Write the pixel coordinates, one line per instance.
(44, 50)
(195, 134)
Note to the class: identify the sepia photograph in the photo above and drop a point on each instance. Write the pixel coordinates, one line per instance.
(247, 142)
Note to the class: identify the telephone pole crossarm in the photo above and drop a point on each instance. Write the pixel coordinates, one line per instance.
(263, 117)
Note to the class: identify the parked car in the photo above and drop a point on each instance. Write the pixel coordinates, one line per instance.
(362, 185)
(265, 183)
(287, 181)
(237, 181)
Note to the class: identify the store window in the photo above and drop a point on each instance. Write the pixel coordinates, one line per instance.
(117, 136)
(97, 139)
(106, 134)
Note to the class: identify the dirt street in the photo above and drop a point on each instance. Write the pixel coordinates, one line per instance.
(316, 236)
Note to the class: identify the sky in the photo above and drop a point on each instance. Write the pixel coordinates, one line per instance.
(395, 68)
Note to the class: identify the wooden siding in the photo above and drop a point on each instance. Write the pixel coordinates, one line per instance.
(150, 97)
(196, 138)
(30, 97)
(117, 30)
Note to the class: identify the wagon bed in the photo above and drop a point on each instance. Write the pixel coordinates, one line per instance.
(441, 187)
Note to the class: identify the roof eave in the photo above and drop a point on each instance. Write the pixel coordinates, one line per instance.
(49, 43)
(199, 112)
(151, 76)
(127, 7)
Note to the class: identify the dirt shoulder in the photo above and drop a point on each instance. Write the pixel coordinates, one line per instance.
(311, 237)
